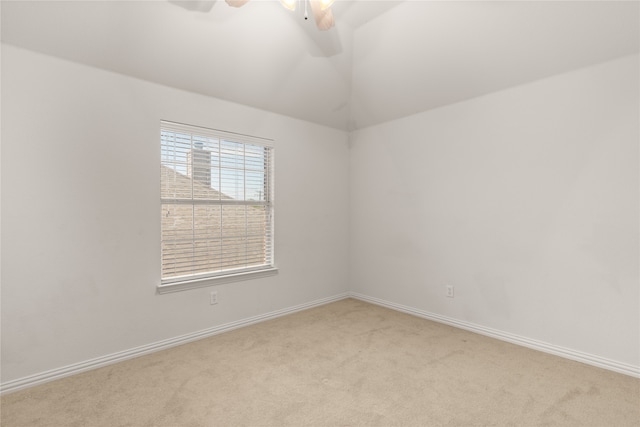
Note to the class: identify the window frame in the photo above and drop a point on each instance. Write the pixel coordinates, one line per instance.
(198, 280)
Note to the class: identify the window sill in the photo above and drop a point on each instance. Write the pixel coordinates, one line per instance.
(213, 281)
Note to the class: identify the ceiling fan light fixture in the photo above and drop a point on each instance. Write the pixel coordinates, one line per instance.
(324, 18)
(236, 3)
(289, 4)
(325, 4)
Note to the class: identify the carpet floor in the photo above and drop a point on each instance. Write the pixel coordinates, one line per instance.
(348, 363)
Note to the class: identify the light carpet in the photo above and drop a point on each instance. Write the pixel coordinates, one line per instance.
(348, 363)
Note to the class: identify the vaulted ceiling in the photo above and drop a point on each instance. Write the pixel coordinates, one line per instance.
(382, 61)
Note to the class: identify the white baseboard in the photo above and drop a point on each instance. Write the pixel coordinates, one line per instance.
(76, 368)
(589, 359)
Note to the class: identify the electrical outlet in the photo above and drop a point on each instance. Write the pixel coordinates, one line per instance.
(450, 291)
(213, 298)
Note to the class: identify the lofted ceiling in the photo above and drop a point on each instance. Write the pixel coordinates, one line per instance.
(382, 61)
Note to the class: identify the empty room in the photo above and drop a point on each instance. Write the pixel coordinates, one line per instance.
(319, 213)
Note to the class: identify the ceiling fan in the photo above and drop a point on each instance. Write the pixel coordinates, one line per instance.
(321, 10)
(320, 43)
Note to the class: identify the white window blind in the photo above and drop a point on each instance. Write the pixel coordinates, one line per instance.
(217, 203)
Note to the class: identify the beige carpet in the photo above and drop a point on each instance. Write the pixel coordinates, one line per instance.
(344, 364)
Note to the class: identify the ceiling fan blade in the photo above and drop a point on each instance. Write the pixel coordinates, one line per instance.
(236, 3)
(195, 5)
(324, 18)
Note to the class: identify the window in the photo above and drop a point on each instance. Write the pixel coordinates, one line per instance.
(217, 205)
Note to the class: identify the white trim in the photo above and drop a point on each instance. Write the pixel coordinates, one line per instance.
(578, 356)
(76, 368)
(203, 282)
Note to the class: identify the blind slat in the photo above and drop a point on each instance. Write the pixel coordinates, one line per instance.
(184, 129)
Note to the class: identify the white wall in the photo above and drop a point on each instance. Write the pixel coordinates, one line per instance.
(81, 224)
(526, 200)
